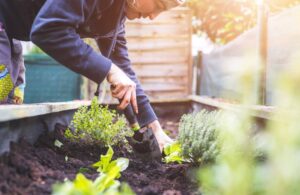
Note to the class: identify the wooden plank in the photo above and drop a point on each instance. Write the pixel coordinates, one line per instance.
(176, 55)
(156, 44)
(13, 112)
(169, 79)
(141, 48)
(152, 31)
(163, 87)
(170, 36)
(154, 95)
(265, 112)
(160, 71)
(174, 14)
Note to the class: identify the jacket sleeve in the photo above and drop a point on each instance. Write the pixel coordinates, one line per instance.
(120, 58)
(54, 31)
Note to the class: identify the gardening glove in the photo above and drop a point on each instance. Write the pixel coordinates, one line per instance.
(145, 144)
(17, 96)
(162, 138)
(122, 87)
(6, 84)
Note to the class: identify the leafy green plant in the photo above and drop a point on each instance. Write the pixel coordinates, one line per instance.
(104, 184)
(198, 136)
(98, 123)
(105, 164)
(173, 153)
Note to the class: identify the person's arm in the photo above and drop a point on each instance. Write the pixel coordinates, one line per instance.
(120, 57)
(54, 31)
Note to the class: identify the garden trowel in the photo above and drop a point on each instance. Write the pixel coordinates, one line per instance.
(143, 141)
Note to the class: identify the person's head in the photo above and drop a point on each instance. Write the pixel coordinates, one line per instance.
(149, 8)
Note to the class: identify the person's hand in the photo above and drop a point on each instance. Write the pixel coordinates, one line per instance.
(161, 137)
(122, 87)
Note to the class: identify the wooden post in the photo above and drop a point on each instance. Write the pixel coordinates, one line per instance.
(199, 72)
(262, 21)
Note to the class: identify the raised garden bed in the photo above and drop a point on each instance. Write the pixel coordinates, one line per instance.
(33, 169)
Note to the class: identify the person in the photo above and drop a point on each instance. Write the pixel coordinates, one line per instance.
(58, 26)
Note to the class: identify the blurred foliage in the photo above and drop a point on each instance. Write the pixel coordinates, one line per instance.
(236, 170)
(223, 20)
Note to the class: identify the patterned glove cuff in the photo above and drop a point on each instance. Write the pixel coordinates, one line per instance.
(6, 84)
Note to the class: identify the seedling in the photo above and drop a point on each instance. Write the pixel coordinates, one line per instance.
(173, 153)
(105, 165)
(104, 184)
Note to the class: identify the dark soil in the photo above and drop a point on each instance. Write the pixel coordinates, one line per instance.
(34, 169)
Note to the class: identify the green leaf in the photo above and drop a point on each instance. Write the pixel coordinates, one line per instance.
(122, 163)
(58, 144)
(83, 170)
(173, 153)
(104, 161)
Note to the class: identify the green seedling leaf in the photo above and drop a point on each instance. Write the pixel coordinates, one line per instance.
(81, 186)
(173, 153)
(105, 184)
(66, 158)
(83, 170)
(104, 161)
(58, 144)
(122, 163)
(107, 180)
(104, 165)
(125, 189)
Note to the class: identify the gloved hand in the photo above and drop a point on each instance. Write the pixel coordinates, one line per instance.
(18, 95)
(6, 83)
(122, 87)
(162, 138)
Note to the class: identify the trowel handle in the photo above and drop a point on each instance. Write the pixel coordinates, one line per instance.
(130, 115)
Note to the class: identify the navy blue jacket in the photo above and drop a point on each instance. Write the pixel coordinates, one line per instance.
(57, 27)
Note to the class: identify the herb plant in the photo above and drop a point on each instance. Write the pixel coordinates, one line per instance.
(198, 136)
(99, 124)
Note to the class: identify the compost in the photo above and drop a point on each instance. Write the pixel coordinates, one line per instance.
(33, 169)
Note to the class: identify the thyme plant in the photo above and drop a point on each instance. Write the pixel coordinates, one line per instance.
(198, 136)
(98, 124)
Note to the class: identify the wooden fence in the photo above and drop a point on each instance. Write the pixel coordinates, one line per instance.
(160, 52)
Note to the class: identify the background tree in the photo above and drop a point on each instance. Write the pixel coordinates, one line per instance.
(223, 20)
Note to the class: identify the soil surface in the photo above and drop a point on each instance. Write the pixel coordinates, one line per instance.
(33, 169)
